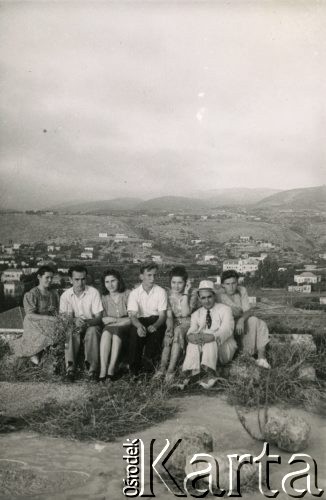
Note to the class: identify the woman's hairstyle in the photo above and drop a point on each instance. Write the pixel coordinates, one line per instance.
(44, 269)
(231, 273)
(77, 269)
(117, 275)
(180, 272)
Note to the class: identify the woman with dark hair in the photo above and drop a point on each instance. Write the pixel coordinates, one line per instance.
(181, 303)
(116, 321)
(41, 304)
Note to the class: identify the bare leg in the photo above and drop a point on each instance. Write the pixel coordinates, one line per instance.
(115, 350)
(105, 349)
(175, 354)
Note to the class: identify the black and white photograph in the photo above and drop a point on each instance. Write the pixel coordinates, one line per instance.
(162, 249)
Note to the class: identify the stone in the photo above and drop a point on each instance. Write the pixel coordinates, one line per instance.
(288, 432)
(195, 439)
(307, 373)
(305, 342)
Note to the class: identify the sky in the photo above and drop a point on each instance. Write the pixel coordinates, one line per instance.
(108, 99)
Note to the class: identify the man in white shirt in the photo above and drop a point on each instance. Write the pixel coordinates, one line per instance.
(83, 304)
(147, 307)
(252, 332)
(210, 337)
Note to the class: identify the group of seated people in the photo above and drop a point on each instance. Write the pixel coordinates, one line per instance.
(154, 328)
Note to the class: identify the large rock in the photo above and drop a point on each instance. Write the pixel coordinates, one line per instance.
(194, 440)
(248, 472)
(306, 343)
(288, 432)
(307, 373)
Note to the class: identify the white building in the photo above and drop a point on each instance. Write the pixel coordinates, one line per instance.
(307, 277)
(86, 255)
(157, 259)
(147, 244)
(196, 242)
(11, 275)
(322, 300)
(88, 249)
(241, 266)
(300, 288)
(266, 245)
(102, 235)
(50, 248)
(208, 257)
(252, 300)
(16, 246)
(244, 239)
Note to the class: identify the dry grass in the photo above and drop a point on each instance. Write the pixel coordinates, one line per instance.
(124, 407)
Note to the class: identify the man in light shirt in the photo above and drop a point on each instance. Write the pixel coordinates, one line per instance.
(210, 338)
(83, 304)
(252, 332)
(147, 307)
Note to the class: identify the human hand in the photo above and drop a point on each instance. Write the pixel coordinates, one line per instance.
(239, 327)
(79, 322)
(208, 337)
(187, 287)
(141, 330)
(107, 320)
(151, 329)
(194, 338)
(218, 341)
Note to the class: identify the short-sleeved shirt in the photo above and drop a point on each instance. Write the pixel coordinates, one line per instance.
(87, 305)
(174, 303)
(37, 302)
(240, 299)
(147, 304)
(117, 309)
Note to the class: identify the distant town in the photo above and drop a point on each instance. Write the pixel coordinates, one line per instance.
(289, 254)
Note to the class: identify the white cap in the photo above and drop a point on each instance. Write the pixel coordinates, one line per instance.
(206, 285)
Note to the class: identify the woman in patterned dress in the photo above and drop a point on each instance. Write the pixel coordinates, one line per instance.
(181, 303)
(116, 321)
(41, 305)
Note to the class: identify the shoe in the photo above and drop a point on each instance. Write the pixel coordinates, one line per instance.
(158, 375)
(35, 360)
(102, 380)
(70, 376)
(263, 363)
(92, 377)
(208, 383)
(181, 385)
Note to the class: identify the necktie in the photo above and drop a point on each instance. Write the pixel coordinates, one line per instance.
(208, 319)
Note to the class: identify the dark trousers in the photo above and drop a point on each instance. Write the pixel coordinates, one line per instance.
(144, 352)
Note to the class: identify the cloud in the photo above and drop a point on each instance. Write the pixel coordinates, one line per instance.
(148, 99)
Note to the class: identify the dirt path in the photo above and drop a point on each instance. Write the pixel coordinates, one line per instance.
(59, 469)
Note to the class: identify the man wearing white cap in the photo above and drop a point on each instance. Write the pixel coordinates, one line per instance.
(210, 337)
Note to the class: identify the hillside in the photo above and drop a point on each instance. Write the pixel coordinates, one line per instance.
(171, 203)
(236, 196)
(311, 198)
(26, 228)
(99, 206)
